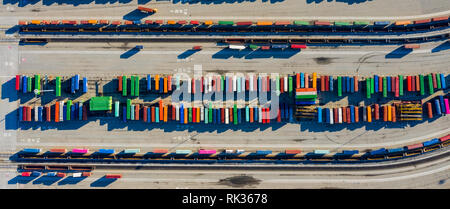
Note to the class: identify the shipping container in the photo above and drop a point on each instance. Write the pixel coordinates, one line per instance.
(80, 151)
(131, 151)
(431, 142)
(124, 87)
(206, 151)
(113, 176)
(106, 151)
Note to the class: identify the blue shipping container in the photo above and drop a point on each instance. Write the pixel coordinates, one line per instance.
(376, 79)
(378, 152)
(350, 152)
(149, 83)
(441, 101)
(85, 85)
(443, 81)
(40, 114)
(77, 82)
(80, 111)
(302, 80)
(352, 113)
(319, 114)
(389, 83)
(291, 113)
(431, 142)
(31, 150)
(181, 114)
(263, 152)
(437, 106)
(106, 151)
(124, 114)
(381, 23)
(24, 83)
(396, 150)
(20, 114)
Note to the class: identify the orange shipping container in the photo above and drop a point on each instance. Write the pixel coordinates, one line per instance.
(417, 83)
(161, 110)
(369, 114)
(344, 114)
(208, 22)
(394, 119)
(385, 117)
(136, 112)
(349, 119)
(57, 111)
(306, 81)
(430, 111)
(355, 80)
(389, 113)
(264, 23)
(165, 84)
(157, 82)
(403, 22)
(165, 113)
(356, 114)
(377, 112)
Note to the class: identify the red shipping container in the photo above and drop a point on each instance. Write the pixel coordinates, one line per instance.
(380, 84)
(222, 115)
(344, 114)
(445, 138)
(291, 152)
(144, 115)
(28, 113)
(194, 114)
(268, 115)
(263, 84)
(120, 83)
(159, 22)
(422, 21)
(148, 22)
(440, 18)
(84, 112)
(322, 83)
(408, 78)
(194, 22)
(153, 114)
(17, 82)
(336, 116)
(255, 83)
(27, 174)
(413, 83)
(136, 112)
(48, 113)
(230, 84)
(415, 146)
(377, 111)
(174, 113)
(201, 85)
(356, 114)
(281, 85)
(61, 175)
(327, 83)
(113, 176)
(434, 80)
(278, 115)
(57, 111)
(417, 83)
(24, 113)
(247, 82)
(268, 84)
(397, 92)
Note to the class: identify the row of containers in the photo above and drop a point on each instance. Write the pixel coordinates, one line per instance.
(287, 84)
(261, 83)
(412, 149)
(32, 84)
(184, 114)
(62, 111)
(386, 113)
(233, 23)
(159, 112)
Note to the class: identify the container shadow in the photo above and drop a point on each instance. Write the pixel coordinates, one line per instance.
(398, 53)
(247, 53)
(442, 47)
(71, 180)
(21, 179)
(9, 90)
(102, 182)
(129, 53)
(136, 15)
(187, 53)
(47, 180)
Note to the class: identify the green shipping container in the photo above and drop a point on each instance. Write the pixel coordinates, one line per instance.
(222, 22)
(235, 115)
(124, 87)
(430, 83)
(291, 85)
(58, 86)
(132, 85)
(339, 86)
(400, 85)
(422, 85)
(298, 22)
(368, 87)
(210, 114)
(253, 46)
(37, 83)
(372, 86)
(29, 84)
(361, 23)
(69, 106)
(190, 115)
(306, 96)
(100, 103)
(384, 87)
(438, 80)
(222, 83)
(128, 108)
(136, 88)
(341, 23)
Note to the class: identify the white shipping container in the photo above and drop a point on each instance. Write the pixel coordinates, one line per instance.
(285, 84)
(226, 116)
(177, 113)
(36, 112)
(259, 115)
(240, 47)
(76, 175)
(206, 115)
(189, 86)
(202, 116)
(251, 83)
(61, 111)
(331, 116)
(340, 115)
(234, 83)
